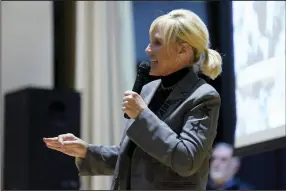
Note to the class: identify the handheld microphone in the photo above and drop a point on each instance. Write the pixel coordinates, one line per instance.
(142, 78)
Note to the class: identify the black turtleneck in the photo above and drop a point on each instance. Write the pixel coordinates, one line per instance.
(167, 85)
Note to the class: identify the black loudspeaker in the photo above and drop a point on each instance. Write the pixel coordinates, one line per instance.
(31, 114)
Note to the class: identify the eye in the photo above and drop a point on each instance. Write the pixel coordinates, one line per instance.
(157, 42)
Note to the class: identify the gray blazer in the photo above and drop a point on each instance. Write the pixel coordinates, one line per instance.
(171, 153)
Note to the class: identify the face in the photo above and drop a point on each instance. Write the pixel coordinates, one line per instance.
(221, 164)
(163, 62)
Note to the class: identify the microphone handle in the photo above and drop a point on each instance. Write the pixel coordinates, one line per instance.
(140, 80)
(126, 116)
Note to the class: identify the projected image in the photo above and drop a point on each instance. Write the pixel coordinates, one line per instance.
(259, 56)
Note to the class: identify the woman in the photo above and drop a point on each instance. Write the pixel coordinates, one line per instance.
(168, 140)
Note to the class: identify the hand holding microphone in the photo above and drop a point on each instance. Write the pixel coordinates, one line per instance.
(133, 103)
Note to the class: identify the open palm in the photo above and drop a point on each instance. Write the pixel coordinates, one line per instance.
(67, 144)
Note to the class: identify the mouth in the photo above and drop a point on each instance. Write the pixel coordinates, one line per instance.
(154, 61)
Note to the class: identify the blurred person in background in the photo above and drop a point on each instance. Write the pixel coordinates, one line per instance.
(168, 140)
(223, 169)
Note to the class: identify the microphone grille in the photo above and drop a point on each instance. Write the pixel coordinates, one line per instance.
(145, 65)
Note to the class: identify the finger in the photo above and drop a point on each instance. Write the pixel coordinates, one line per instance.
(128, 92)
(124, 103)
(51, 139)
(60, 139)
(125, 110)
(126, 106)
(54, 144)
(55, 148)
(55, 139)
(68, 136)
(71, 143)
(127, 98)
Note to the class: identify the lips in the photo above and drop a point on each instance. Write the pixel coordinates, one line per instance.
(154, 61)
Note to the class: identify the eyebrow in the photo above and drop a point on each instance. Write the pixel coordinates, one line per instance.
(156, 37)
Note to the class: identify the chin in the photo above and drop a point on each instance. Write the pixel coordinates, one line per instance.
(154, 73)
(217, 176)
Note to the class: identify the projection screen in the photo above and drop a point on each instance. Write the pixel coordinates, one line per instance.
(259, 62)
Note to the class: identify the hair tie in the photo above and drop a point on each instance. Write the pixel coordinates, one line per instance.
(202, 56)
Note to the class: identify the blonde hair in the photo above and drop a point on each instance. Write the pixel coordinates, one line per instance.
(185, 26)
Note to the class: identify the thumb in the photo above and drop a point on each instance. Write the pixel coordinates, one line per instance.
(64, 137)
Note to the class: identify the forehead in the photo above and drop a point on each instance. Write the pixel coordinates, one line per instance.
(156, 34)
(222, 151)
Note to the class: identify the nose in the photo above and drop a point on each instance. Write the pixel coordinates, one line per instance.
(215, 162)
(148, 49)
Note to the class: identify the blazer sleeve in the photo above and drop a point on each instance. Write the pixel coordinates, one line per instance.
(185, 152)
(99, 160)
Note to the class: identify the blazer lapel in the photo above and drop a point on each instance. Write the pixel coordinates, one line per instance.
(149, 93)
(178, 95)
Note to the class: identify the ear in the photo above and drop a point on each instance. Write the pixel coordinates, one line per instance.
(236, 164)
(236, 168)
(184, 48)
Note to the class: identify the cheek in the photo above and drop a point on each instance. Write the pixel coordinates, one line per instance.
(164, 57)
(170, 61)
(155, 49)
(224, 167)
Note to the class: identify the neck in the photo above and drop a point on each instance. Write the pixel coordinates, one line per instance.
(221, 182)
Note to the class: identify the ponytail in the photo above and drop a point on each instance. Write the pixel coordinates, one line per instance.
(212, 64)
